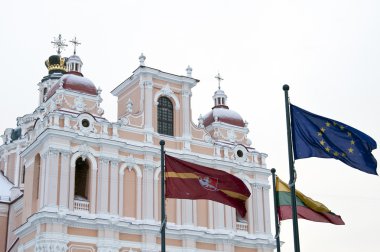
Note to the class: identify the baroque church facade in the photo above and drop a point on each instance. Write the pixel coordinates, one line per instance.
(71, 180)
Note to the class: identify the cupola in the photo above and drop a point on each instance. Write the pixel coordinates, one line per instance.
(220, 112)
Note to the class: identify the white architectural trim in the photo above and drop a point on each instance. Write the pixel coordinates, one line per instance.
(166, 91)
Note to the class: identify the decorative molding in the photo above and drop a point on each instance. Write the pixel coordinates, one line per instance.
(50, 245)
(166, 91)
(129, 106)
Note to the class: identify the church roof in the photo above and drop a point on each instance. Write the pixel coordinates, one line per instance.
(225, 115)
(76, 82)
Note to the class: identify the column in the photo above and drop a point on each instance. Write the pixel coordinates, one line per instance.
(121, 193)
(251, 214)
(113, 187)
(228, 211)
(186, 93)
(255, 208)
(210, 214)
(42, 190)
(260, 206)
(138, 198)
(178, 211)
(64, 184)
(226, 156)
(267, 209)
(148, 113)
(187, 212)
(52, 182)
(93, 187)
(66, 122)
(147, 197)
(71, 184)
(103, 186)
(218, 215)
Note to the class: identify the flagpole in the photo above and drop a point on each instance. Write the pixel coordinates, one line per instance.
(292, 182)
(275, 199)
(163, 214)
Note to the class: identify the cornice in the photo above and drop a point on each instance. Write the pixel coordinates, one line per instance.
(155, 73)
(141, 227)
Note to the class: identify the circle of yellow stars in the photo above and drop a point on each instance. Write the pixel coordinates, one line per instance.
(327, 148)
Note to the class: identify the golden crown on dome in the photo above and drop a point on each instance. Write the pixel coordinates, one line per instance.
(56, 62)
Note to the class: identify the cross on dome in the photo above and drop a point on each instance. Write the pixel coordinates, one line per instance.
(75, 42)
(59, 43)
(219, 78)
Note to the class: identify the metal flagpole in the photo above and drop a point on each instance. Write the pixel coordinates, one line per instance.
(275, 199)
(292, 182)
(163, 214)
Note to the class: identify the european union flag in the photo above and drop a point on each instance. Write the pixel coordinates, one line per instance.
(317, 136)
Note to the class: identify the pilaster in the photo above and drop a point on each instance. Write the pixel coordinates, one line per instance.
(187, 212)
(43, 179)
(218, 215)
(103, 186)
(52, 182)
(147, 198)
(148, 109)
(113, 187)
(266, 209)
(186, 93)
(64, 180)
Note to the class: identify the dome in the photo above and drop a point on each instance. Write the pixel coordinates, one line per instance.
(224, 115)
(74, 81)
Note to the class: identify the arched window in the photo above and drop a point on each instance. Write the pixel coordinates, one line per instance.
(165, 116)
(81, 179)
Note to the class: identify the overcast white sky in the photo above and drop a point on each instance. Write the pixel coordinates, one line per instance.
(327, 51)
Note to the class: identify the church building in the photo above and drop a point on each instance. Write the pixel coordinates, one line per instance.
(71, 180)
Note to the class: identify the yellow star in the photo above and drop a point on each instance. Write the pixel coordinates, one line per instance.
(328, 124)
(343, 154)
(334, 123)
(348, 133)
(336, 153)
(350, 150)
(319, 133)
(341, 127)
(322, 142)
(327, 149)
(323, 129)
(352, 142)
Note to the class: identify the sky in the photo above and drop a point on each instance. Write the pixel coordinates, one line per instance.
(327, 52)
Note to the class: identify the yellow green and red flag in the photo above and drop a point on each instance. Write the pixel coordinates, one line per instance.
(307, 208)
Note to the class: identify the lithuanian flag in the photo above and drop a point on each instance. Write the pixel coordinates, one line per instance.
(185, 180)
(307, 208)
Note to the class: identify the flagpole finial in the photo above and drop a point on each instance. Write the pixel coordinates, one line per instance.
(162, 142)
(285, 87)
(273, 170)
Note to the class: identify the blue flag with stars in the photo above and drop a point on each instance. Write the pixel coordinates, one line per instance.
(317, 136)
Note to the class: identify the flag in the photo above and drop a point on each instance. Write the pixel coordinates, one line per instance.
(185, 180)
(317, 136)
(307, 208)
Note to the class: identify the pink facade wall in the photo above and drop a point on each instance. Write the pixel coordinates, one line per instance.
(3, 231)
